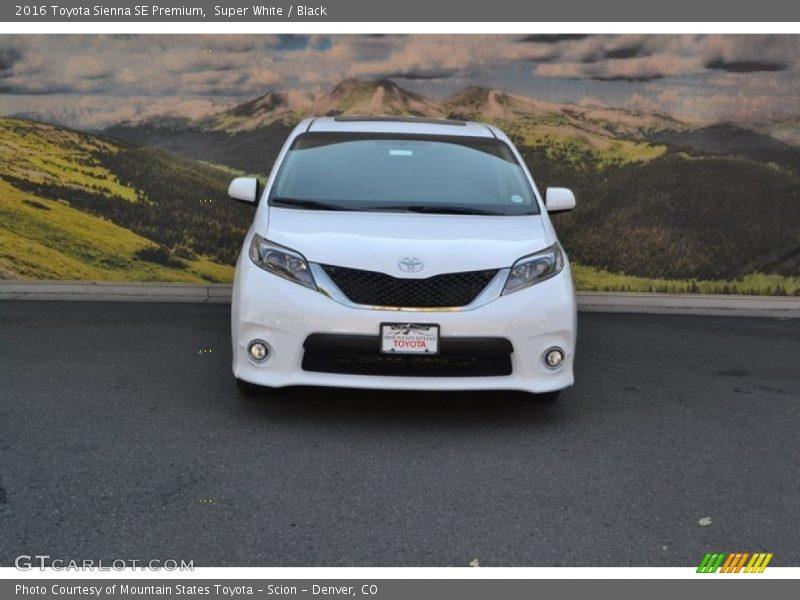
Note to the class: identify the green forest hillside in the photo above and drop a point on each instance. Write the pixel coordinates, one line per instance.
(79, 206)
(678, 216)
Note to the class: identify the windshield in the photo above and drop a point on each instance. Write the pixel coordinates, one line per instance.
(380, 172)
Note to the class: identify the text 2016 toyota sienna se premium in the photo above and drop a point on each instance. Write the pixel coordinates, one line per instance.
(402, 253)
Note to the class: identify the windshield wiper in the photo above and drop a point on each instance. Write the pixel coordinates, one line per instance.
(433, 209)
(308, 204)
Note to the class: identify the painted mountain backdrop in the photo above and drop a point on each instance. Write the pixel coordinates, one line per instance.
(664, 204)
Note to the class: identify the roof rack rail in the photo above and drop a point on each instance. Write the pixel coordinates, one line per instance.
(400, 119)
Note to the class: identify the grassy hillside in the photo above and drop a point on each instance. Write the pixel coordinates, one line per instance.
(729, 139)
(606, 136)
(248, 137)
(249, 151)
(592, 279)
(678, 217)
(42, 153)
(662, 205)
(77, 206)
(47, 239)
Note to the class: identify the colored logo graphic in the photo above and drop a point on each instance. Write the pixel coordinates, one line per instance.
(735, 562)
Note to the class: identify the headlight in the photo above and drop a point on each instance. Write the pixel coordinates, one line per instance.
(534, 268)
(281, 261)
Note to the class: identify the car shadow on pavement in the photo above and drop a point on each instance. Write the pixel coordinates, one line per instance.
(410, 407)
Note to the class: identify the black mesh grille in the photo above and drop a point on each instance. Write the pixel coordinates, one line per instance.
(379, 289)
(360, 355)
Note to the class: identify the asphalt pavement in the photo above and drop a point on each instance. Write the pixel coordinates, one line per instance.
(122, 436)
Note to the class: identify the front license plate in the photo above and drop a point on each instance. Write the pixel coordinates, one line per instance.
(409, 338)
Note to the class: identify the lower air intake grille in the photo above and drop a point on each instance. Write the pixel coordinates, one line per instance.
(360, 355)
(379, 289)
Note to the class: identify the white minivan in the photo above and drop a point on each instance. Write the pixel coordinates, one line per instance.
(402, 253)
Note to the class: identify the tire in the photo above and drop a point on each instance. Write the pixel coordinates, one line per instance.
(548, 397)
(248, 389)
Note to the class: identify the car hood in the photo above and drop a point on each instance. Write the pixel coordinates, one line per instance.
(379, 241)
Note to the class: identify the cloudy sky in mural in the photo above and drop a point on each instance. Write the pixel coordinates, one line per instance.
(91, 81)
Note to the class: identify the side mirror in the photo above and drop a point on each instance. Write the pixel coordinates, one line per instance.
(244, 189)
(558, 199)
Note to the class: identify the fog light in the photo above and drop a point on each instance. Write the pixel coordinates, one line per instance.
(553, 358)
(258, 350)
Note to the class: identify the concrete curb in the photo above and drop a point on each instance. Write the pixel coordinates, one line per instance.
(101, 291)
(681, 304)
(690, 304)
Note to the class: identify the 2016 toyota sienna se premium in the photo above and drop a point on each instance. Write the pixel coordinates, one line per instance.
(402, 253)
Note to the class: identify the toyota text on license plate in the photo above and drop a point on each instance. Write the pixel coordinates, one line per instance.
(409, 338)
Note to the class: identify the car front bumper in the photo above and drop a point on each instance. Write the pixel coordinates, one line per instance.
(285, 314)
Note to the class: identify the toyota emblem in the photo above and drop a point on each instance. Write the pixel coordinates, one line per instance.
(411, 264)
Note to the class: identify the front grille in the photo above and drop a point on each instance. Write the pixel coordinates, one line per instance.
(379, 289)
(361, 355)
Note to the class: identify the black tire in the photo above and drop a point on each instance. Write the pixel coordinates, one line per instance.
(248, 389)
(548, 397)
